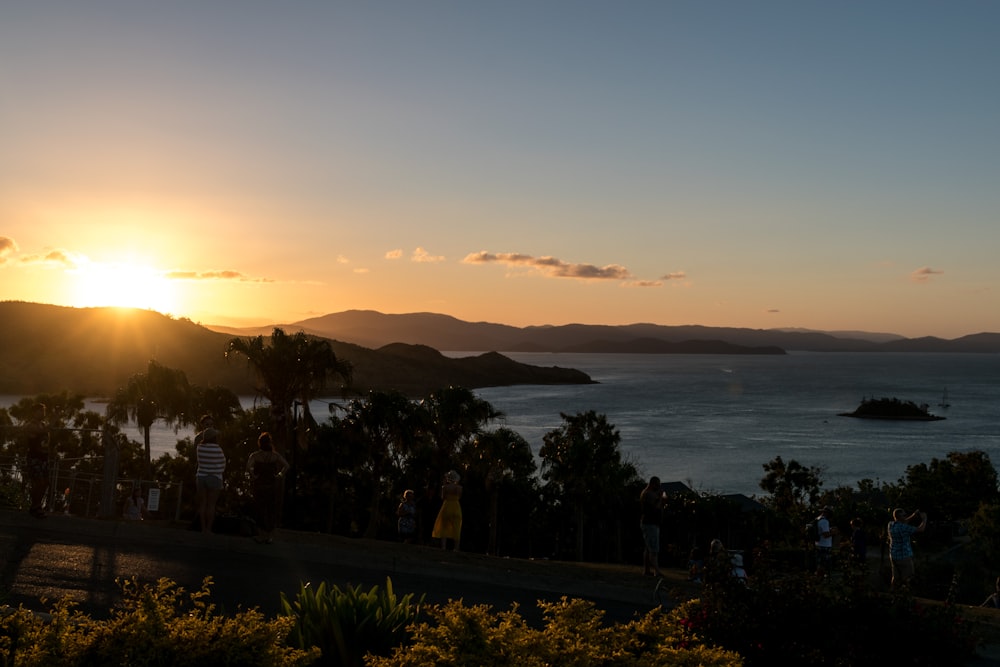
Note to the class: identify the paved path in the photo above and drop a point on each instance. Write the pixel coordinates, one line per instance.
(81, 558)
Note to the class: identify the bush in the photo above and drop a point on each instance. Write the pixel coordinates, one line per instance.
(803, 619)
(348, 624)
(155, 626)
(573, 635)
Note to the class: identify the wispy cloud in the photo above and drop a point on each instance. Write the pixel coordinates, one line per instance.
(674, 275)
(58, 257)
(394, 254)
(923, 274)
(224, 275)
(551, 266)
(421, 255)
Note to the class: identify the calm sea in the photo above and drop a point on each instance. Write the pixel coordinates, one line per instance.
(713, 421)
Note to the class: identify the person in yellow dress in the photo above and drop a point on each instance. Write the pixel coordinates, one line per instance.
(448, 525)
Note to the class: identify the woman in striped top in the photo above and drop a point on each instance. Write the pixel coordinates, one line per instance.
(211, 466)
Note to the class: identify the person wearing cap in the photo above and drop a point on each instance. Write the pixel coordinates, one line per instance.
(824, 541)
(900, 531)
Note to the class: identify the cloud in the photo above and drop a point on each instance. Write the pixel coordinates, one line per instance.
(773, 310)
(394, 254)
(924, 274)
(7, 247)
(58, 257)
(421, 255)
(643, 283)
(551, 266)
(674, 275)
(225, 275)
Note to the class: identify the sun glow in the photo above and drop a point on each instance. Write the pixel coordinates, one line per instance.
(125, 285)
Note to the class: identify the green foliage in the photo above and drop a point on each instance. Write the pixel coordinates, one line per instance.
(793, 487)
(802, 619)
(154, 626)
(573, 635)
(949, 489)
(348, 624)
(582, 463)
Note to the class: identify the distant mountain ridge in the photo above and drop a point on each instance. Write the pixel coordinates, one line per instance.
(93, 351)
(444, 332)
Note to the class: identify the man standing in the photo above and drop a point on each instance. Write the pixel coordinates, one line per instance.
(36, 434)
(651, 502)
(824, 542)
(900, 549)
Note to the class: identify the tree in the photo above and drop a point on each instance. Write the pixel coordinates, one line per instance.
(794, 488)
(452, 417)
(952, 488)
(290, 370)
(499, 456)
(159, 393)
(383, 426)
(583, 461)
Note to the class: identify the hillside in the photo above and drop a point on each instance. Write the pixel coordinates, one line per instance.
(93, 351)
(443, 332)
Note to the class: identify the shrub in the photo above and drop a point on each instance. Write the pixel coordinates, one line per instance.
(803, 619)
(154, 626)
(573, 635)
(348, 624)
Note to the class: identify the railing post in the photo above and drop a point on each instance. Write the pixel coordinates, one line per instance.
(107, 509)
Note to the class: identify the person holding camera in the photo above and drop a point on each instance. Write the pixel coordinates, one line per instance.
(900, 531)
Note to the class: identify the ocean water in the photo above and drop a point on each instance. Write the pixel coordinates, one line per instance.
(714, 421)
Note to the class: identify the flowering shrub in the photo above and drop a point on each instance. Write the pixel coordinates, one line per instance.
(155, 626)
(573, 635)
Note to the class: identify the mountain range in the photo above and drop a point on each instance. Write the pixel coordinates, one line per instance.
(443, 332)
(94, 351)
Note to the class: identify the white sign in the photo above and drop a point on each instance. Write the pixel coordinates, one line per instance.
(154, 500)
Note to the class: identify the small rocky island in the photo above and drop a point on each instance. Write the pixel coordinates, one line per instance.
(891, 408)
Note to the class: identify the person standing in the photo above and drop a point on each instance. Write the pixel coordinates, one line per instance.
(135, 506)
(448, 525)
(266, 468)
(651, 502)
(824, 542)
(36, 434)
(406, 523)
(900, 531)
(211, 467)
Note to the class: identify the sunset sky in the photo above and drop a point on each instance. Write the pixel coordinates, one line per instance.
(828, 165)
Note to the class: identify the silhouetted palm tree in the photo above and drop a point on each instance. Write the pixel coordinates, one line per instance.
(583, 460)
(383, 426)
(159, 393)
(499, 456)
(290, 369)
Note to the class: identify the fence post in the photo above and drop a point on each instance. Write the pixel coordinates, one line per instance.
(110, 475)
(180, 495)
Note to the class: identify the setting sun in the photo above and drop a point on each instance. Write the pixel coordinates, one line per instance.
(124, 285)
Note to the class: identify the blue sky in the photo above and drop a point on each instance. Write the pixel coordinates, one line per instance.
(769, 164)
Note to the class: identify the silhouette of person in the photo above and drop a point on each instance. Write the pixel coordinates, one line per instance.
(266, 467)
(651, 502)
(135, 506)
(406, 524)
